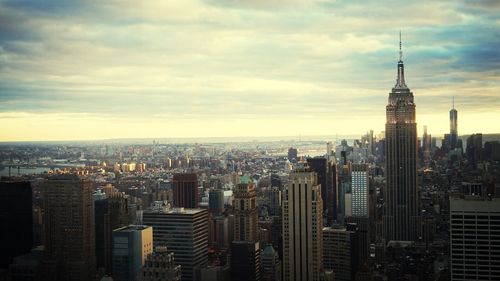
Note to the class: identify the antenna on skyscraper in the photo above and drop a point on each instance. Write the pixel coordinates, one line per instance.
(453, 101)
(400, 51)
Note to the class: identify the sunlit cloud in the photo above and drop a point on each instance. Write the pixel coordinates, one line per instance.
(241, 68)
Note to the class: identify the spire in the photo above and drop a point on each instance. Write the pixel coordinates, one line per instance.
(400, 51)
(400, 82)
(453, 102)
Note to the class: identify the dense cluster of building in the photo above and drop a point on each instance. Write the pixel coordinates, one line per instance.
(387, 207)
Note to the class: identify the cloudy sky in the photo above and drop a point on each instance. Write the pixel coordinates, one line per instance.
(204, 68)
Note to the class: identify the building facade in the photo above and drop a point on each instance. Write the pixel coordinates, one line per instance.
(186, 191)
(161, 266)
(302, 226)
(360, 190)
(184, 232)
(401, 218)
(245, 211)
(69, 229)
(131, 246)
(340, 253)
(245, 261)
(475, 238)
(15, 213)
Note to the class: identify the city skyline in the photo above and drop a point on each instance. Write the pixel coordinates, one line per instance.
(185, 69)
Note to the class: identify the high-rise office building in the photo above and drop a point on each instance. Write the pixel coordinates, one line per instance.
(245, 211)
(340, 252)
(333, 201)
(270, 264)
(131, 246)
(274, 196)
(344, 187)
(475, 237)
(327, 178)
(245, 250)
(110, 213)
(245, 261)
(185, 191)
(401, 220)
(359, 190)
(302, 226)
(161, 266)
(16, 218)
(426, 145)
(474, 149)
(216, 201)
(69, 229)
(292, 154)
(184, 232)
(219, 236)
(453, 126)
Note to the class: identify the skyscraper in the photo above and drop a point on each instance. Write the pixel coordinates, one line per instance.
(292, 154)
(302, 226)
(426, 145)
(245, 211)
(186, 191)
(69, 229)
(131, 246)
(245, 261)
(184, 232)
(16, 218)
(271, 264)
(340, 251)
(245, 250)
(216, 201)
(474, 149)
(326, 173)
(110, 213)
(359, 190)
(475, 237)
(401, 211)
(453, 126)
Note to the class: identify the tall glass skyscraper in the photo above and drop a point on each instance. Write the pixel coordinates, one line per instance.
(453, 126)
(401, 214)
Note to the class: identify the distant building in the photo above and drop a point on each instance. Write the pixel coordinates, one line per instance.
(131, 245)
(292, 154)
(302, 225)
(453, 127)
(16, 218)
(161, 266)
(245, 261)
(110, 213)
(245, 211)
(326, 173)
(220, 238)
(270, 264)
(274, 196)
(475, 238)
(186, 191)
(216, 201)
(474, 149)
(69, 253)
(344, 187)
(340, 253)
(360, 190)
(185, 233)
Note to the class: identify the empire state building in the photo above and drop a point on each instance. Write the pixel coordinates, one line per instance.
(401, 220)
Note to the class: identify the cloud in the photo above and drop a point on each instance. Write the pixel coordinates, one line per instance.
(328, 60)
